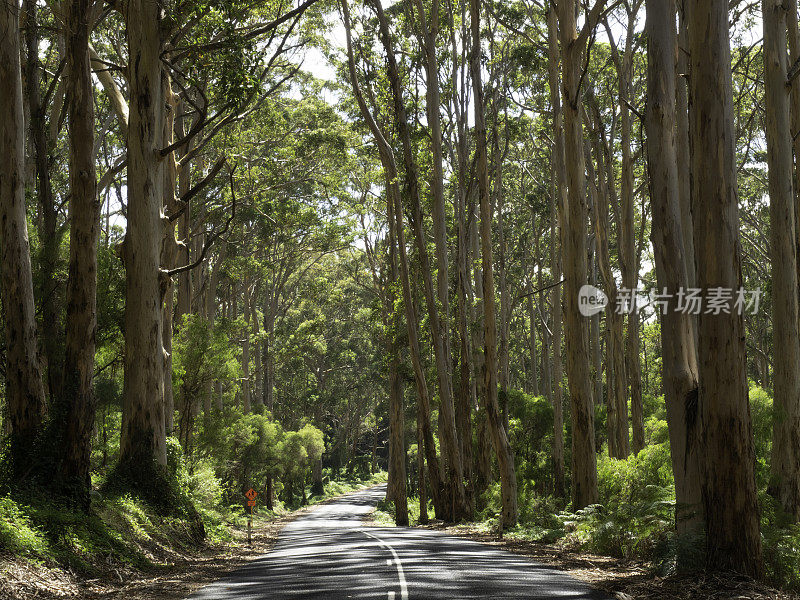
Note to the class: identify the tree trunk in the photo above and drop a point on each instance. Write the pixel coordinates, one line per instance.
(423, 495)
(679, 354)
(584, 463)
(453, 475)
(24, 392)
(397, 447)
(627, 242)
(503, 450)
(682, 149)
(558, 202)
(728, 483)
(617, 405)
(463, 399)
(785, 465)
(48, 233)
(77, 399)
(143, 437)
(534, 379)
(395, 216)
(169, 248)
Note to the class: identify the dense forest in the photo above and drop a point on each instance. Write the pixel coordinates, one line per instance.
(536, 259)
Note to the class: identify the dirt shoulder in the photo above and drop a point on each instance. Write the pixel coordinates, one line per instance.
(622, 579)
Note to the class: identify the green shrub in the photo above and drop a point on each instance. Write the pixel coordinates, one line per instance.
(17, 534)
(635, 515)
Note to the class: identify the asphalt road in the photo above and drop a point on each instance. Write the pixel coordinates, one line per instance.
(329, 555)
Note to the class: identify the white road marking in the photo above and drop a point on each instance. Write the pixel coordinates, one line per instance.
(400, 575)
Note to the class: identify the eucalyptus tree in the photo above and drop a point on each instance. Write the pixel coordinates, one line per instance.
(727, 480)
(573, 49)
(785, 463)
(503, 450)
(76, 397)
(680, 360)
(24, 391)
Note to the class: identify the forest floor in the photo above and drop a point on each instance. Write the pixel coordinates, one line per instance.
(622, 578)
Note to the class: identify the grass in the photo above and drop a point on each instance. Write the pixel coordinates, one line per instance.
(124, 532)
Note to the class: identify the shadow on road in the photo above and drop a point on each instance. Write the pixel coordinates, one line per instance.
(329, 555)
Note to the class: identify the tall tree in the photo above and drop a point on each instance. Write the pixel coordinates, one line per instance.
(24, 391)
(77, 399)
(680, 369)
(785, 466)
(48, 210)
(558, 202)
(728, 483)
(452, 472)
(573, 50)
(143, 439)
(503, 450)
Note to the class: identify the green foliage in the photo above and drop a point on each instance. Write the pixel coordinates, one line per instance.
(761, 416)
(202, 354)
(17, 534)
(780, 544)
(531, 436)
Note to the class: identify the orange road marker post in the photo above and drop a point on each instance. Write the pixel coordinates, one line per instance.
(251, 495)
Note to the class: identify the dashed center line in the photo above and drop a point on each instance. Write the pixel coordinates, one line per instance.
(400, 574)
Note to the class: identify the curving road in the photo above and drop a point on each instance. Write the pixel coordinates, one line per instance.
(329, 555)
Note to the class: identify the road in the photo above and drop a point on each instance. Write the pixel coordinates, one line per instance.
(329, 555)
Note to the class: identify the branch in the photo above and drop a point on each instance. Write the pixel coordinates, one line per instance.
(212, 237)
(184, 200)
(253, 33)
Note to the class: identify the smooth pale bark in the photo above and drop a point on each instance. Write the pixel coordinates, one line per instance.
(24, 391)
(503, 350)
(627, 241)
(453, 473)
(143, 437)
(115, 97)
(534, 380)
(184, 282)
(617, 403)
(483, 457)
(594, 333)
(785, 465)
(267, 345)
(503, 450)
(457, 507)
(584, 462)
(464, 397)
(558, 202)
(679, 353)
(48, 222)
(77, 401)
(210, 390)
(395, 216)
(169, 247)
(730, 502)
(617, 364)
(397, 444)
(259, 371)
